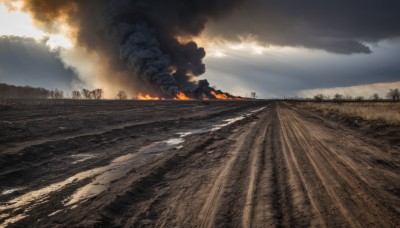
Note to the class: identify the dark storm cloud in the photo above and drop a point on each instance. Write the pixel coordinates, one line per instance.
(23, 61)
(339, 26)
(140, 36)
(288, 71)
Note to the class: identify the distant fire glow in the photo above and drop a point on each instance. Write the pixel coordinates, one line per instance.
(220, 96)
(182, 96)
(141, 96)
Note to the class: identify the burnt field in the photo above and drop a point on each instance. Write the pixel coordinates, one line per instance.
(192, 163)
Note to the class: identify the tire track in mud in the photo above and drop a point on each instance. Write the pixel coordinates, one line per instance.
(308, 183)
(348, 184)
(257, 166)
(239, 157)
(236, 203)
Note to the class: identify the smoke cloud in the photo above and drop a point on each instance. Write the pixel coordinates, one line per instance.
(141, 39)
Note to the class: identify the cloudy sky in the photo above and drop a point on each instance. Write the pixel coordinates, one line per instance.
(276, 48)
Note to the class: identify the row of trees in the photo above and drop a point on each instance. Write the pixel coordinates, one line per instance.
(393, 94)
(25, 92)
(95, 94)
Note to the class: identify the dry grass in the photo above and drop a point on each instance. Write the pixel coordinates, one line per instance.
(385, 111)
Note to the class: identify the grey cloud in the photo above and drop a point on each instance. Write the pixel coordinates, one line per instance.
(339, 26)
(286, 74)
(23, 61)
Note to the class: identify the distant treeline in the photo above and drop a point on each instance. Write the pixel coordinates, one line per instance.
(28, 92)
(393, 94)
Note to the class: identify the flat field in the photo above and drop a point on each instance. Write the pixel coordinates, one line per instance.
(192, 163)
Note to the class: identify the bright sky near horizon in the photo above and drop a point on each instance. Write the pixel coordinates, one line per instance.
(17, 23)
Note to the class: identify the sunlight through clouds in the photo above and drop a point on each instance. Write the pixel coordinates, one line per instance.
(13, 22)
(16, 23)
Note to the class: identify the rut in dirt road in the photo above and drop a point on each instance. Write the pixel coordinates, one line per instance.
(280, 166)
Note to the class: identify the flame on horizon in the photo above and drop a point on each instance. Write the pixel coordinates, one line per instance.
(141, 96)
(220, 96)
(182, 96)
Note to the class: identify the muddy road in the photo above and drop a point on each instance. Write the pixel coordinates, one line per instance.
(185, 164)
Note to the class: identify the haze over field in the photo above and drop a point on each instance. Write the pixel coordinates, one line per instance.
(276, 48)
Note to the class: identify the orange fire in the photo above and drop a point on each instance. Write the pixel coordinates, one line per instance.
(140, 96)
(181, 96)
(220, 96)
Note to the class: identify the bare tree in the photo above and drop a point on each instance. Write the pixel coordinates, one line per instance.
(319, 97)
(338, 97)
(359, 98)
(393, 94)
(86, 94)
(122, 95)
(375, 97)
(51, 94)
(58, 94)
(76, 94)
(97, 94)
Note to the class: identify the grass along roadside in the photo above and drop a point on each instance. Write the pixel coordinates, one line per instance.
(388, 112)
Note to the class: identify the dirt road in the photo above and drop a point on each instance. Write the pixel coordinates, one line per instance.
(277, 166)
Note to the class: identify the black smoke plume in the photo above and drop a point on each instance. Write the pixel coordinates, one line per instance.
(143, 57)
(140, 36)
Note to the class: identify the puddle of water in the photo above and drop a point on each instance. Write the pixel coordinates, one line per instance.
(12, 220)
(258, 110)
(184, 134)
(120, 166)
(114, 171)
(82, 157)
(227, 122)
(56, 212)
(192, 132)
(235, 119)
(11, 190)
(39, 196)
(174, 141)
